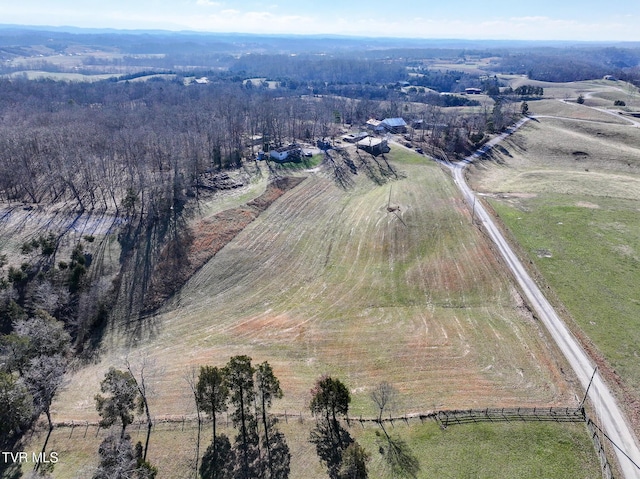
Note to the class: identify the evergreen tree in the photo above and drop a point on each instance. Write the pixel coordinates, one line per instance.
(120, 403)
(239, 375)
(211, 394)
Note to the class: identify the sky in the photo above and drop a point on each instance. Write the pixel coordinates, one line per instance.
(585, 20)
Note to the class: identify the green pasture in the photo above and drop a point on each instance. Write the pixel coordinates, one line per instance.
(588, 249)
(483, 450)
(569, 192)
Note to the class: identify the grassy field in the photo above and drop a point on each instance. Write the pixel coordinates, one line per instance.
(569, 191)
(485, 450)
(328, 281)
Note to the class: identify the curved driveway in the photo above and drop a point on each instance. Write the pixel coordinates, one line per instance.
(612, 419)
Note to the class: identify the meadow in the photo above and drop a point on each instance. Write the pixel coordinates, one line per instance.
(482, 451)
(327, 281)
(568, 190)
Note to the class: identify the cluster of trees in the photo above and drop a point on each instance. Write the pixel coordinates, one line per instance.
(571, 64)
(259, 449)
(92, 143)
(444, 81)
(138, 151)
(33, 361)
(134, 150)
(526, 91)
(320, 69)
(46, 282)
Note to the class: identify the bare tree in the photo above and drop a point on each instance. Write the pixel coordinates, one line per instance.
(384, 396)
(191, 377)
(140, 376)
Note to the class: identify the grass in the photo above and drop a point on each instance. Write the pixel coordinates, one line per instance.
(569, 192)
(589, 250)
(38, 75)
(484, 450)
(326, 281)
(571, 110)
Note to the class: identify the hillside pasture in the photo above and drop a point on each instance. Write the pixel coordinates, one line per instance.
(564, 91)
(571, 110)
(327, 281)
(569, 192)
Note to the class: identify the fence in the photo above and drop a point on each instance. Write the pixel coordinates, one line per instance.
(444, 418)
(602, 456)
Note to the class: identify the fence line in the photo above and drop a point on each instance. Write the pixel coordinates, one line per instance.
(598, 444)
(444, 418)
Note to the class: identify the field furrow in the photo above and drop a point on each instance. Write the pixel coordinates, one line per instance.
(327, 281)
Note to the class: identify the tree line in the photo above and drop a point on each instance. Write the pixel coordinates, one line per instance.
(259, 450)
(139, 150)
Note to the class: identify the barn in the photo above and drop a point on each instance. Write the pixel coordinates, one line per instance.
(394, 125)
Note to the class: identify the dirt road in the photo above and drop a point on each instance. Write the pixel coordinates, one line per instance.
(612, 419)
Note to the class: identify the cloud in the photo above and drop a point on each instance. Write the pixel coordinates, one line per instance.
(255, 21)
(208, 3)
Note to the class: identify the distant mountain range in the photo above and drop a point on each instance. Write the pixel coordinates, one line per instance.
(148, 41)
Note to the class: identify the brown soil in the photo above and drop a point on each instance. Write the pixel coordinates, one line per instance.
(184, 256)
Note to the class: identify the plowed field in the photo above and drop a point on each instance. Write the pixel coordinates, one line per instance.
(328, 281)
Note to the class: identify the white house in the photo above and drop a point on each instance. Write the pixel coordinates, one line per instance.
(285, 153)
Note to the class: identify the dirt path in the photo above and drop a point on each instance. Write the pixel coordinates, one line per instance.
(613, 420)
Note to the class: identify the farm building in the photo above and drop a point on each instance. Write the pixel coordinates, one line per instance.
(286, 153)
(351, 138)
(473, 91)
(374, 146)
(375, 125)
(394, 125)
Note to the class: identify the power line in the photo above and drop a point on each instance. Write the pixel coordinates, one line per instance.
(615, 445)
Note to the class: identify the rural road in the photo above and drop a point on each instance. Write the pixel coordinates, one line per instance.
(612, 419)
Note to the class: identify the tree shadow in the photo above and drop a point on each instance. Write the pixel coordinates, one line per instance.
(341, 173)
(218, 463)
(280, 456)
(398, 457)
(330, 442)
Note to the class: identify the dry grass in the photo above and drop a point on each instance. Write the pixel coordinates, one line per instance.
(570, 193)
(565, 156)
(327, 281)
(550, 107)
(563, 91)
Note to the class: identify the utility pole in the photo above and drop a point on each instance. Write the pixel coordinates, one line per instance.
(587, 391)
